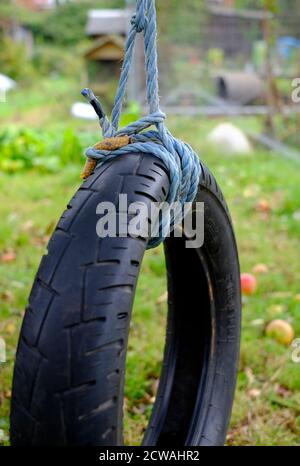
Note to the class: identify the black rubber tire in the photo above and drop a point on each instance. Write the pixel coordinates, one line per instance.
(70, 363)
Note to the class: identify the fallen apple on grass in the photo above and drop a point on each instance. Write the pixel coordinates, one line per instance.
(260, 269)
(263, 206)
(248, 284)
(281, 331)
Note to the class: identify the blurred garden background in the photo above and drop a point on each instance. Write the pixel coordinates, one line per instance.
(228, 77)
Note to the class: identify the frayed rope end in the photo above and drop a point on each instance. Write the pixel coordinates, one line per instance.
(88, 94)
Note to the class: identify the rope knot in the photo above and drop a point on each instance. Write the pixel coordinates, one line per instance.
(139, 23)
(139, 20)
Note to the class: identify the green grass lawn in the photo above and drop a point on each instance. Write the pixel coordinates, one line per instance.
(267, 406)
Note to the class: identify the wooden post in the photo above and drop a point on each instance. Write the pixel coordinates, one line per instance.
(274, 98)
(270, 122)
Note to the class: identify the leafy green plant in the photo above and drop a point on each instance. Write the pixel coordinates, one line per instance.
(25, 149)
(50, 150)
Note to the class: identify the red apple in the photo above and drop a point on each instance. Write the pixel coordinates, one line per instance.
(248, 284)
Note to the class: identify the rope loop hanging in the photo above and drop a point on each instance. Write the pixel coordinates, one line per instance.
(179, 158)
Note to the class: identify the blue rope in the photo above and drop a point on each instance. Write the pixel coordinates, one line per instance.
(179, 158)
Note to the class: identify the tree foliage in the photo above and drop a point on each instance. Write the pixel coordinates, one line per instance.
(65, 25)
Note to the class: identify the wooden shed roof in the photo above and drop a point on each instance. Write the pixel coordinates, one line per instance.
(102, 22)
(106, 48)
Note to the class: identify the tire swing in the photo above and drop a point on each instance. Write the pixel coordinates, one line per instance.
(70, 364)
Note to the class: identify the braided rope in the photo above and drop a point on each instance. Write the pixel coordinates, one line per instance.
(179, 158)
